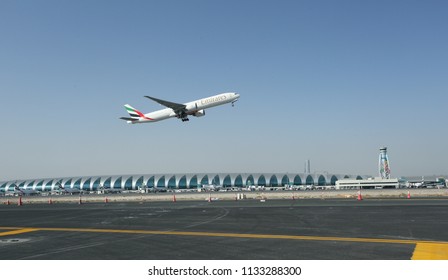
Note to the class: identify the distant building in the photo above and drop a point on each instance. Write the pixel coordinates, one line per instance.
(371, 183)
(177, 181)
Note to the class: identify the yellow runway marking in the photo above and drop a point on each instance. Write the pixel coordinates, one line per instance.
(243, 235)
(430, 251)
(426, 250)
(18, 231)
(235, 235)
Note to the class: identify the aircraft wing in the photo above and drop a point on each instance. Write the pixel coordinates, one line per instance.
(175, 106)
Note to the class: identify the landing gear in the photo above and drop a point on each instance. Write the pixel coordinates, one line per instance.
(183, 116)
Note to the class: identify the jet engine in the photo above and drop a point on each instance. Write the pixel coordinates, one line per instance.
(199, 113)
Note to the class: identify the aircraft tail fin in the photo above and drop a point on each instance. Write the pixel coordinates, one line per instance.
(17, 189)
(60, 186)
(134, 113)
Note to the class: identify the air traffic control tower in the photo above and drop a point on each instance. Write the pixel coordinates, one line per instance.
(382, 182)
(384, 167)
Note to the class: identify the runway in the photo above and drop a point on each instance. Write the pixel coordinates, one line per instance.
(337, 229)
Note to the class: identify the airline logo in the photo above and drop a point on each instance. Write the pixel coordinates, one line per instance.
(134, 113)
(213, 99)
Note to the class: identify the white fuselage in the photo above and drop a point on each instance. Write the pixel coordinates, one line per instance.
(191, 107)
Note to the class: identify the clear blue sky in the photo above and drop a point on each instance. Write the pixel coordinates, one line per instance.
(329, 81)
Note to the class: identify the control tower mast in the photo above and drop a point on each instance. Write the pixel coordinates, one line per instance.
(384, 166)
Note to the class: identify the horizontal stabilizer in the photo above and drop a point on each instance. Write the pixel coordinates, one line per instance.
(129, 119)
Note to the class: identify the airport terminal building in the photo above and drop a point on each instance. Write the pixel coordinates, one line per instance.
(178, 181)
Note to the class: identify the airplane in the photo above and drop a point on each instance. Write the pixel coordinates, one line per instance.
(105, 190)
(24, 191)
(180, 111)
(424, 184)
(255, 188)
(210, 187)
(69, 190)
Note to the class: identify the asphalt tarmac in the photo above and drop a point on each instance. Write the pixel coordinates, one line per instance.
(338, 229)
